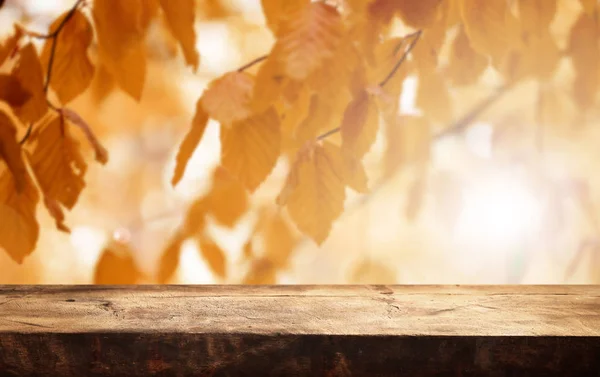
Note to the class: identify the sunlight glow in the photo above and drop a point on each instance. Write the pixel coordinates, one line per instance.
(500, 210)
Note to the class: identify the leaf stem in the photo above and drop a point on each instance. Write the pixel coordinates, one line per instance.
(415, 38)
(252, 63)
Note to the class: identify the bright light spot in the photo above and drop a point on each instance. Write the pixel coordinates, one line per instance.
(408, 98)
(192, 267)
(122, 235)
(498, 211)
(215, 48)
(479, 139)
(88, 242)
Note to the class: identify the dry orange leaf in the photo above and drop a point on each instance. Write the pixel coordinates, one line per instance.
(359, 126)
(433, 97)
(120, 30)
(490, 26)
(214, 256)
(190, 143)
(29, 73)
(227, 199)
(57, 163)
(10, 150)
(419, 14)
(589, 6)
(117, 266)
(19, 229)
(536, 15)
(307, 38)
(9, 45)
(466, 65)
(180, 15)
(314, 192)
(72, 70)
(227, 99)
(276, 11)
(250, 148)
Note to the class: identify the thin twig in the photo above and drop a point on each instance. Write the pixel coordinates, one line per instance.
(415, 38)
(329, 133)
(253, 62)
(27, 134)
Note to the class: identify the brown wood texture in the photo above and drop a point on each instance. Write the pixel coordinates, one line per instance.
(300, 331)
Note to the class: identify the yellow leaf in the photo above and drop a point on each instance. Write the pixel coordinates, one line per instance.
(536, 15)
(307, 38)
(539, 58)
(583, 46)
(227, 99)
(353, 170)
(170, 259)
(320, 117)
(120, 30)
(466, 65)
(428, 47)
(369, 271)
(180, 16)
(419, 14)
(56, 211)
(589, 6)
(433, 97)
(490, 26)
(250, 148)
(408, 141)
(101, 154)
(117, 266)
(10, 151)
(278, 237)
(29, 73)
(227, 199)
(268, 85)
(214, 256)
(314, 192)
(262, 271)
(72, 70)
(8, 46)
(359, 126)
(12, 92)
(190, 143)
(57, 162)
(276, 11)
(19, 229)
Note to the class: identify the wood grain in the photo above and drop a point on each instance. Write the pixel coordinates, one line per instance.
(300, 330)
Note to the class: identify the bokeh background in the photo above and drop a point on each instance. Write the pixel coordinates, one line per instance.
(508, 201)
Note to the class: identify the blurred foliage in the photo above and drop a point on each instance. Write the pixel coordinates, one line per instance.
(261, 142)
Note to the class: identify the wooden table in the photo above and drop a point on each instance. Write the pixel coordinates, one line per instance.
(300, 331)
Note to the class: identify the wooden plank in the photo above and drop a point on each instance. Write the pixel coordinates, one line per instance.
(300, 330)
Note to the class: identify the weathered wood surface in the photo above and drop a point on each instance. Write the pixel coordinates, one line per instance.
(300, 331)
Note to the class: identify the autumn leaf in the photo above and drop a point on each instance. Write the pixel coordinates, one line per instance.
(314, 191)
(466, 65)
(170, 259)
(359, 126)
(117, 266)
(433, 98)
(101, 154)
(72, 70)
(19, 229)
(227, 99)
(57, 163)
(418, 14)
(227, 199)
(180, 15)
(29, 73)
(120, 31)
(276, 11)
(268, 86)
(307, 38)
(250, 148)
(9, 45)
(12, 92)
(10, 151)
(589, 6)
(279, 239)
(214, 256)
(190, 142)
(536, 15)
(490, 26)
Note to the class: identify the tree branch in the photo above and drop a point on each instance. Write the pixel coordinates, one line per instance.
(252, 63)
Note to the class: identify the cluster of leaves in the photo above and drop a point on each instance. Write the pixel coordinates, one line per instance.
(334, 75)
(48, 161)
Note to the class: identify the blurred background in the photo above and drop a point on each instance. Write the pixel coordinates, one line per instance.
(512, 200)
